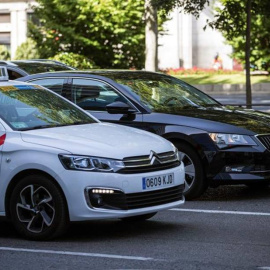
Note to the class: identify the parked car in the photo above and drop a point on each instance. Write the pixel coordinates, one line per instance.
(20, 68)
(218, 145)
(59, 164)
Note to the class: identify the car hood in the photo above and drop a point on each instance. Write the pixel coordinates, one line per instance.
(221, 119)
(99, 139)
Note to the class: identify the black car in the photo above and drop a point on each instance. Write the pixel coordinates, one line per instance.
(20, 68)
(217, 144)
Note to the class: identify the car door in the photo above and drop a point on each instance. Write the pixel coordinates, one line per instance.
(94, 95)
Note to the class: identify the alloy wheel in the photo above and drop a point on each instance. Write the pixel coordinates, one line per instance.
(35, 208)
(189, 170)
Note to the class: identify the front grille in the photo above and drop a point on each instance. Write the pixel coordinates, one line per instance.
(265, 140)
(121, 201)
(153, 162)
(153, 198)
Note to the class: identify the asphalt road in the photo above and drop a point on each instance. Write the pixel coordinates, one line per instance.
(227, 228)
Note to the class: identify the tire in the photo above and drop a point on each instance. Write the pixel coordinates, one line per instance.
(258, 186)
(195, 182)
(38, 208)
(139, 218)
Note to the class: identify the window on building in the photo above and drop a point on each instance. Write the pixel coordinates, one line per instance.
(5, 39)
(4, 17)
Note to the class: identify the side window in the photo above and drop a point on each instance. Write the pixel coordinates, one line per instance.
(54, 84)
(13, 75)
(94, 95)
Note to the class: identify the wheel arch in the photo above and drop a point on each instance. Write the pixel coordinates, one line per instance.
(182, 138)
(21, 175)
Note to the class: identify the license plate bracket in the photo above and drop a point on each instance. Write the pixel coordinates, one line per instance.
(157, 181)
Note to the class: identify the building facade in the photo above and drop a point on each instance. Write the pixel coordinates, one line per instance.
(13, 23)
(186, 44)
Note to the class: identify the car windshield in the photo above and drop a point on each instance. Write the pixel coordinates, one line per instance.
(25, 107)
(162, 93)
(40, 67)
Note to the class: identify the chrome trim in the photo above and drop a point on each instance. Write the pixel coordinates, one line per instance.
(260, 138)
(161, 158)
(265, 171)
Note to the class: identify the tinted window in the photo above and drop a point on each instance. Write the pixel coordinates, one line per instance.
(54, 84)
(161, 93)
(94, 95)
(13, 75)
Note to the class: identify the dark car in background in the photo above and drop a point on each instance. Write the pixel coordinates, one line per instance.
(20, 68)
(217, 144)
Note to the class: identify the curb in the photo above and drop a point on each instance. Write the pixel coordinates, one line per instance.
(230, 89)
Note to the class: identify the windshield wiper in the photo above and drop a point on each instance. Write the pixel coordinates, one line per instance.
(35, 127)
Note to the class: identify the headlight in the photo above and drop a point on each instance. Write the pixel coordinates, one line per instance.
(84, 163)
(229, 140)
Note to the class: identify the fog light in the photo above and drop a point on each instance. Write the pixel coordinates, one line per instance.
(96, 200)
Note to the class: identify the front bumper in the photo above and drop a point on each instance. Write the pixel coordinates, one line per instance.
(239, 165)
(78, 185)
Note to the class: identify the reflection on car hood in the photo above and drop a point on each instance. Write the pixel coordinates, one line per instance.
(99, 139)
(222, 119)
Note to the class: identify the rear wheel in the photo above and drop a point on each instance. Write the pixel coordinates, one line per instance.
(38, 208)
(139, 218)
(195, 183)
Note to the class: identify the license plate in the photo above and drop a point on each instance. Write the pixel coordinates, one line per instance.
(157, 181)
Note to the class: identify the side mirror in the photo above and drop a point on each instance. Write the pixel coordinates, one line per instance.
(119, 107)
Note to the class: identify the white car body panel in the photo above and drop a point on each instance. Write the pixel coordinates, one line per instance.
(39, 149)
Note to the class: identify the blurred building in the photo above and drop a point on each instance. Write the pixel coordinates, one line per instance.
(187, 45)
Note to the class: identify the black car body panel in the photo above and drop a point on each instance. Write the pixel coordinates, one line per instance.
(191, 125)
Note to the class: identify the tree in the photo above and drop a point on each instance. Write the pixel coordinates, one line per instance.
(111, 32)
(151, 22)
(241, 23)
(4, 53)
(27, 50)
(151, 36)
(74, 60)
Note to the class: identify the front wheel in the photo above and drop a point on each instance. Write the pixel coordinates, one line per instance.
(38, 208)
(195, 183)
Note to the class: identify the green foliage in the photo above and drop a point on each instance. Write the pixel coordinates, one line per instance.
(75, 60)
(111, 32)
(230, 19)
(4, 53)
(27, 50)
(187, 6)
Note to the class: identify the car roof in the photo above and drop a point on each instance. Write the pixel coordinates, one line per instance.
(95, 72)
(32, 66)
(31, 61)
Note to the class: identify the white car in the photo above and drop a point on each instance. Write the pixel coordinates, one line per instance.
(59, 164)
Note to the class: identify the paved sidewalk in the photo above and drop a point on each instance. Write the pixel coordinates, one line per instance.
(228, 89)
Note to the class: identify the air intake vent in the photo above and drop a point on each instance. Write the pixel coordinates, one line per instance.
(265, 140)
